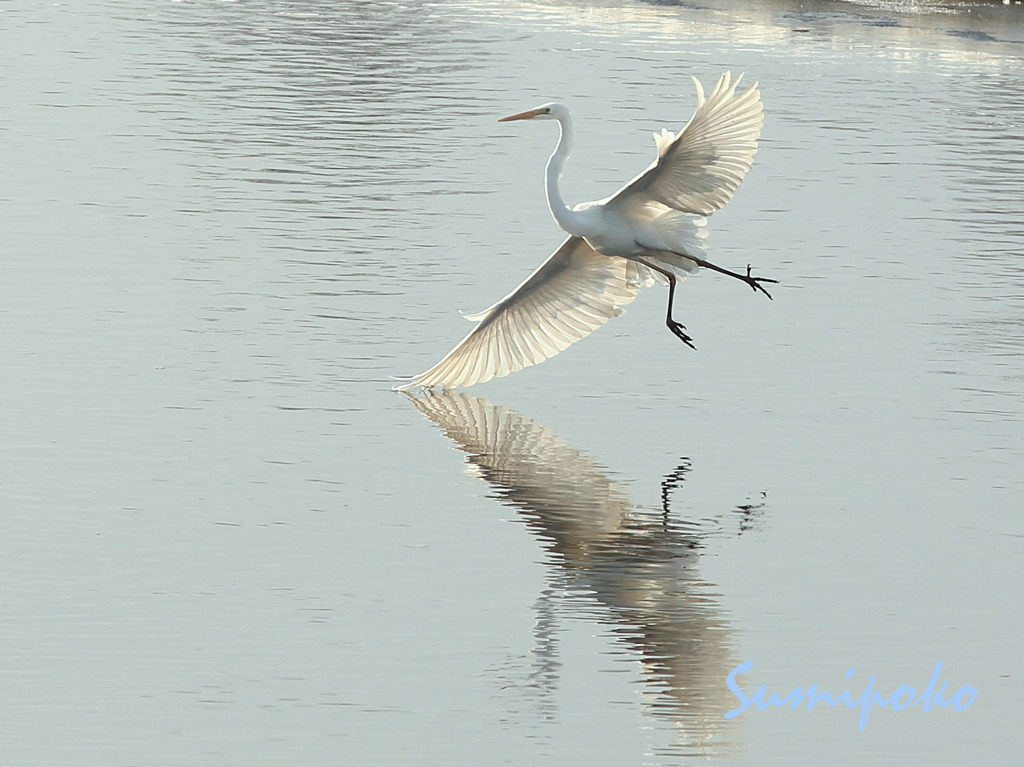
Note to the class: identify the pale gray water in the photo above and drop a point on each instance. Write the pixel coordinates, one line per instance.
(225, 541)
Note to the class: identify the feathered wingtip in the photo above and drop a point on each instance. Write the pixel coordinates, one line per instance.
(724, 87)
(663, 140)
(405, 383)
(409, 384)
(700, 88)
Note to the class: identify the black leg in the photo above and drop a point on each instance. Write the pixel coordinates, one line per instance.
(677, 328)
(753, 282)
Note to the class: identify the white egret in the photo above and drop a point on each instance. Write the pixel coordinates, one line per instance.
(651, 229)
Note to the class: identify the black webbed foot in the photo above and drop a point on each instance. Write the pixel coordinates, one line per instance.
(755, 282)
(679, 330)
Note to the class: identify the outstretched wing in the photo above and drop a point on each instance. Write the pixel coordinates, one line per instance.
(572, 294)
(699, 170)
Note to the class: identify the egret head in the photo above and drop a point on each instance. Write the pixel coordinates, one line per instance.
(550, 111)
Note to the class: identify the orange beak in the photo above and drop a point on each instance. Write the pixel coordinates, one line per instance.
(529, 114)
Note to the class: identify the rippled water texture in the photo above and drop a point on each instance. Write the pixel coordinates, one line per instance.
(225, 541)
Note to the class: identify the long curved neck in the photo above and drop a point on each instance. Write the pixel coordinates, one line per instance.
(566, 218)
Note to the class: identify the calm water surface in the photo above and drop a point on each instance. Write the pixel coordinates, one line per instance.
(225, 541)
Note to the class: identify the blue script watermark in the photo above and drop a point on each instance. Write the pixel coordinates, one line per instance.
(902, 697)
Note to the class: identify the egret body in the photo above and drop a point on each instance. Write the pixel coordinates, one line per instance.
(653, 229)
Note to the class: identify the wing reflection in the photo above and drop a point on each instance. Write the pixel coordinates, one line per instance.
(633, 568)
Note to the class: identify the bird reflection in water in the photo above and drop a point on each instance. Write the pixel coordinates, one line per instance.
(631, 567)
